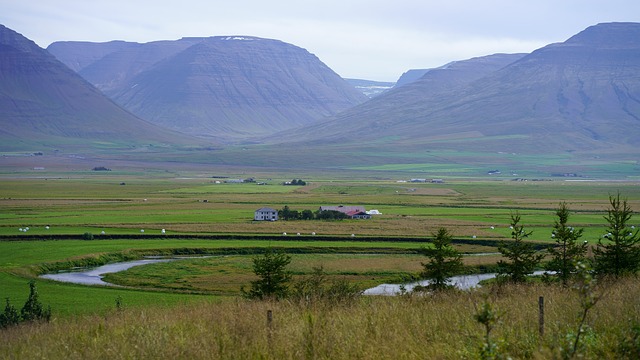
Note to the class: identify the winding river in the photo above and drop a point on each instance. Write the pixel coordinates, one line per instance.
(94, 277)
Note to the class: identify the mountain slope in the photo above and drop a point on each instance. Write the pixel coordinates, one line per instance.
(384, 115)
(580, 95)
(44, 103)
(231, 88)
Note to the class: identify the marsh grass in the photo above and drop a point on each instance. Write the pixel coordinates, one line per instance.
(438, 326)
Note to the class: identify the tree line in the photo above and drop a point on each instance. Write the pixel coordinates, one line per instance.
(287, 214)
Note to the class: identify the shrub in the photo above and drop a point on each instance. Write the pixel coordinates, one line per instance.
(316, 288)
(10, 316)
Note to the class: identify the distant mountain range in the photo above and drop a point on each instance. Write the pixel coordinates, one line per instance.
(582, 95)
(44, 104)
(224, 87)
(572, 102)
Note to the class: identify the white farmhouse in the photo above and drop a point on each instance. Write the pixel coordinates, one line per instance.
(266, 214)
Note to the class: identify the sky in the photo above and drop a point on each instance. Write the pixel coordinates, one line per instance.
(373, 40)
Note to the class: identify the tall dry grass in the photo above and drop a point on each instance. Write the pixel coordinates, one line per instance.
(440, 326)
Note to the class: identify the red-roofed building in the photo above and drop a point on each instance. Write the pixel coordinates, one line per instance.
(354, 212)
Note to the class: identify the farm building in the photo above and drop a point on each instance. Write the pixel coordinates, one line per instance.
(266, 214)
(354, 212)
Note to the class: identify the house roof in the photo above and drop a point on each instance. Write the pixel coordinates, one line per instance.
(266, 209)
(349, 210)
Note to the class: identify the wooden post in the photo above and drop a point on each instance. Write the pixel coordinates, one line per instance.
(541, 315)
(269, 326)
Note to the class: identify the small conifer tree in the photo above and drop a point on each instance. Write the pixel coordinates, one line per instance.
(444, 260)
(568, 251)
(521, 256)
(274, 279)
(33, 309)
(619, 253)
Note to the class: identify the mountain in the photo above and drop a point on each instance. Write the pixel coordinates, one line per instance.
(391, 109)
(45, 104)
(371, 88)
(226, 87)
(411, 75)
(579, 96)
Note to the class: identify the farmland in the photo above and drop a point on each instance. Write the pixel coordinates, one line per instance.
(203, 215)
(204, 212)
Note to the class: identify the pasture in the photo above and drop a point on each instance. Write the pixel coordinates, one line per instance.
(192, 309)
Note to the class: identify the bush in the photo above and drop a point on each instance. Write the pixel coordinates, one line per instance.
(10, 316)
(316, 288)
(87, 236)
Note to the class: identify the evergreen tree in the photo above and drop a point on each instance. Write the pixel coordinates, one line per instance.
(274, 277)
(32, 309)
(568, 251)
(620, 254)
(444, 260)
(521, 256)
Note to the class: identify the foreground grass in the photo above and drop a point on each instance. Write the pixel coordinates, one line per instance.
(441, 326)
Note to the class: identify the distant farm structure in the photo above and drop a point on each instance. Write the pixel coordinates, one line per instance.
(354, 212)
(265, 214)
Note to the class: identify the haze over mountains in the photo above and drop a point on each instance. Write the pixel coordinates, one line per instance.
(225, 87)
(578, 100)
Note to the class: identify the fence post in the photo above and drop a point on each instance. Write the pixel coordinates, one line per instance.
(541, 315)
(269, 327)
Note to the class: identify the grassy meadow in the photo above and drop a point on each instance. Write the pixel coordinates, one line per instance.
(411, 327)
(194, 305)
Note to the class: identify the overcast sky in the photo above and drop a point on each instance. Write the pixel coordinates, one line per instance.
(376, 40)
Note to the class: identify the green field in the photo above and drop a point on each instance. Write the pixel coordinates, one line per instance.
(199, 205)
(203, 217)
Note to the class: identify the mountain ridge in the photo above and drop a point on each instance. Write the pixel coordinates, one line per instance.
(228, 87)
(564, 97)
(44, 102)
